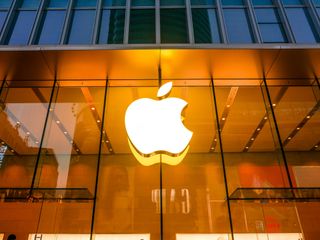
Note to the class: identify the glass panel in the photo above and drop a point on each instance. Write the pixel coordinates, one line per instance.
(112, 26)
(70, 149)
(292, 2)
(85, 3)
(3, 16)
(298, 121)
(58, 3)
(251, 154)
(142, 26)
(130, 200)
(271, 33)
(20, 135)
(266, 15)
(82, 27)
(173, 26)
(5, 3)
(22, 28)
(237, 26)
(51, 28)
(107, 3)
(203, 2)
(30, 3)
(301, 25)
(255, 221)
(232, 2)
(262, 2)
(172, 2)
(205, 26)
(142, 2)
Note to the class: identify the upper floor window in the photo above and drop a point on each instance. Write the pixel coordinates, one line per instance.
(173, 22)
(112, 22)
(4, 8)
(24, 18)
(205, 21)
(52, 22)
(82, 24)
(303, 29)
(237, 22)
(269, 23)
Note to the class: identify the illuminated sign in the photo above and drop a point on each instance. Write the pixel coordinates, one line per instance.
(155, 129)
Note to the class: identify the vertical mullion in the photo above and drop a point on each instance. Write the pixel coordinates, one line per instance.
(314, 16)
(127, 22)
(284, 21)
(158, 29)
(253, 22)
(189, 21)
(97, 22)
(222, 157)
(67, 22)
(99, 159)
(37, 21)
(270, 110)
(43, 136)
(221, 22)
(9, 20)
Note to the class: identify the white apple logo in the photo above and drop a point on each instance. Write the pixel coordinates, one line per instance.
(155, 127)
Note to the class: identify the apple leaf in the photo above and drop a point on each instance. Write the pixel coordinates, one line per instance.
(164, 90)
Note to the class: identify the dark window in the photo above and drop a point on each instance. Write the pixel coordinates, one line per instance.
(173, 26)
(205, 26)
(142, 26)
(269, 25)
(261, 2)
(301, 25)
(30, 3)
(111, 27)
(5, 3)
(82, 27)
(51, 27)
(142, 3)
(292, 2)
(232, 2)
(4, 7)
(172, 2)
(203, 2)
(237, 26)
(108, 3)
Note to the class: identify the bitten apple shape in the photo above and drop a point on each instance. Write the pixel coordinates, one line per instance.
(155, 126)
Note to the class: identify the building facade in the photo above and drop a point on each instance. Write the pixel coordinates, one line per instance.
(249, 71)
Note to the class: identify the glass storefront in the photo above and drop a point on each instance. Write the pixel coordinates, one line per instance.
(250, 171)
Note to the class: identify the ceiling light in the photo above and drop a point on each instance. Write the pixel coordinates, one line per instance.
(28, 133)
(228, 105)
(247, 147)
(289, 138)
(298, 128)
(316, 146)
(65, 132)
(12, 150)
(2, 142)
(274, 104)
(308, 116)
(93, 108)
(265, 118)
(98, 121)
(223, 119)
(58, 122)
(252, 139)
(258, 129)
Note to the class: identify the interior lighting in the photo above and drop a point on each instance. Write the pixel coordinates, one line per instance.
(93, 108)
(308, 116)
(58, 122)
(223, 118)
(298, 128)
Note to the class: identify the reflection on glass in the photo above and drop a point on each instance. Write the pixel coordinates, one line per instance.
(205, 26)
(250, 150)
(82, 27)
(71, 140)
(20, 135)
(298, 120)
(237, 25)
(173, 26)
(112, 26)
(142, 26)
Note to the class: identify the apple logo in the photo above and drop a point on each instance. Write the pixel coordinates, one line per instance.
(155, 129)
